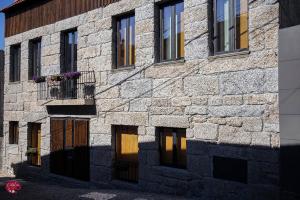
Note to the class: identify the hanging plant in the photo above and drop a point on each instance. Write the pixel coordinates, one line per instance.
(39, 79)
(72, 75)
(31, 151)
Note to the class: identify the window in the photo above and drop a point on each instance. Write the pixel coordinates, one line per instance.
(69, 51)
(230, 28)
(173, 147)
(34, 58)
(171, 32)
(15, 62)
(230, 169)
(125, 39)
(13, 132)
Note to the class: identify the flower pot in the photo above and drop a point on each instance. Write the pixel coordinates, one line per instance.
(72, 75)
(39, 79)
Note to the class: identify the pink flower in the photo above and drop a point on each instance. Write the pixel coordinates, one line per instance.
(12, 186)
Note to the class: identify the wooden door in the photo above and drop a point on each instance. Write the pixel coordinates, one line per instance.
(57, 160)
(34, 143)
(127, 153)
(70, 148)
(81, 160)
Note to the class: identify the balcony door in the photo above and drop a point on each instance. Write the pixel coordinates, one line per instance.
(69, 63)
(70, 148)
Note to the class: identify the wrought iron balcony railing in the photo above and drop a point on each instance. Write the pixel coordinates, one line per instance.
(63, 87)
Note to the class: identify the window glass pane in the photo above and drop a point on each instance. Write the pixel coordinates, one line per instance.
(179, 30)
(181, 150)
(13, 132)
(70, 54)
(75, 51)
(132, 40)
(222, 25)
(241, 10)
(122, 42)
(35, 58)
(39, 55)
(15, 63)
(167, 147)
(166, 33)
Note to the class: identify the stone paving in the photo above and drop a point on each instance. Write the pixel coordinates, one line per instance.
(50, 190)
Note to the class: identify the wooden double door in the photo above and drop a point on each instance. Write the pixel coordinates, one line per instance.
(126, 163)
(70, 154)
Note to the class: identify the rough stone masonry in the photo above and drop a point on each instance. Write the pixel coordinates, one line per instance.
(228, 105)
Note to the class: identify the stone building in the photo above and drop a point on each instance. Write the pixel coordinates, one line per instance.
(1, 102)
(178, 97)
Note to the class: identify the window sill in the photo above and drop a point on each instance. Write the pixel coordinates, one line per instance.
(14, 83)
(13, 145)
(231, 54)
(171, 62)
(123, 68)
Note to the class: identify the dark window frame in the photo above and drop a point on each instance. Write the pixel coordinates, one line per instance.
(15, 63)
(35, 58)
(173, 31)
(175, 153)
(13, 132)
(116, 26)
(230, 169)
(64, 51)
(212, 25)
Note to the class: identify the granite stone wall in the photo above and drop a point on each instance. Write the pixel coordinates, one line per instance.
(1, 103)
(228, 104)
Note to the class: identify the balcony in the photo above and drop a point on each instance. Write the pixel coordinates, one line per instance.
(74, 88)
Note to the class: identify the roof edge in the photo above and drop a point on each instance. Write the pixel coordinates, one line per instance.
(13, 5)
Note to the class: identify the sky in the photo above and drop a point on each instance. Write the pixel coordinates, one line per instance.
(3, 3)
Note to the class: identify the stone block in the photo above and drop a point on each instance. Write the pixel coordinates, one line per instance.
(252, 124)
(202, 85)
(139, 105)
(235, 111)
(167, 87)
(206, 131)
(181, 101)
(251, 81)
(196, 110)
(136, 88)
(169, 121)
(127, 118)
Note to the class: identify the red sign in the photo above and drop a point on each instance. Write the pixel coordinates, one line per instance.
(12, 186)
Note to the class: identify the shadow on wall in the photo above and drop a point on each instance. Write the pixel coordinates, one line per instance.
(213, 171)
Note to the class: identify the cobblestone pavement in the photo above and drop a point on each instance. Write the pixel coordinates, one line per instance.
(50, 190)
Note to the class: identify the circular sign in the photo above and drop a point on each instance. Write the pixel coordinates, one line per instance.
(12, 186)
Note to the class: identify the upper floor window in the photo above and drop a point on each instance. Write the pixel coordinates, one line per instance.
(15, 63)
(171, 31)
(13, 132)
(125, 47)
(230, 25)
(69, 51)
(173, 147)
(34, 58)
